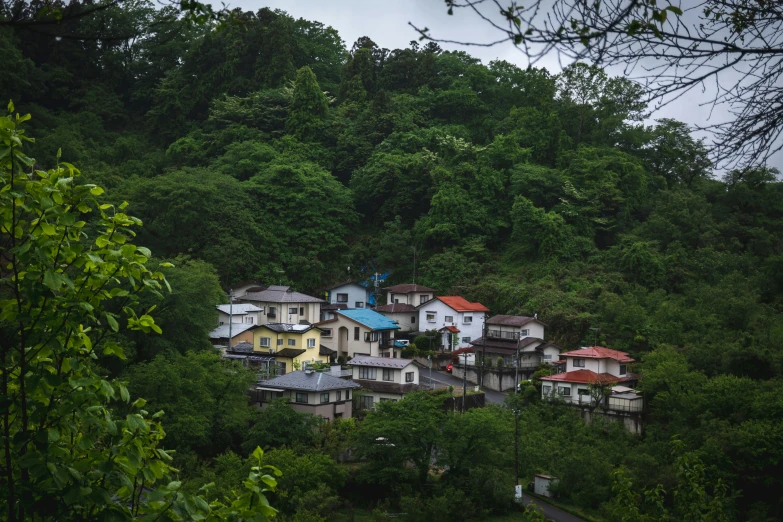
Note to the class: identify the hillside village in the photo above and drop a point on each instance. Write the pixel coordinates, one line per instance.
(342, 352)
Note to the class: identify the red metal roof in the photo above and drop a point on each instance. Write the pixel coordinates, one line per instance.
(599, 352)
(452, 329)
(587, 377)
(460, 304)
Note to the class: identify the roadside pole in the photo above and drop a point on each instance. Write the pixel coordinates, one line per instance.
(230, 317)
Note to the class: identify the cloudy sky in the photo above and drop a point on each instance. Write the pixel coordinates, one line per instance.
(386, 22)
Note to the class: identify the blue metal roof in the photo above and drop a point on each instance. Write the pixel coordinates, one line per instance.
(370, 318)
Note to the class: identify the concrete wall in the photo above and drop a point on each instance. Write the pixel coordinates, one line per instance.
(328, 411)
(632, 421)
(494, 379)
(355, 293)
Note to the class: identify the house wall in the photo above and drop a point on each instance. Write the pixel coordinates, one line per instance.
(398, 376)
(534, 329)
(597, 365)
(413, 298)
(312, 312)
(342, 339)
(471, 330)
(328, 411)
(356, 294)
(244, 337)
(377, 396)
(300, 343)
(249, 318)
(541, 486)
(408, 321)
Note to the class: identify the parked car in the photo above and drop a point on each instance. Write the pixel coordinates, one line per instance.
(449, 367)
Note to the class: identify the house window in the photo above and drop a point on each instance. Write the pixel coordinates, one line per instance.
(355, 333)
(292, 342)
(396, 301)
(423, 299)
(449, 318)
(547, 390)
(326, 332)
(359, 304)
(311, 343)
(301, 310)
(579, 363)
(342, 298)
(339, 395)
(547, 356)
(565, 391)
(292, 310)
(324, 397)
(468, 319)
(265, 341)
(385, 354)
(623, 369)
(272, 311)
(524, 333)
(279, 342)
(367, 373)
(370, 336)
(347, 395)
(408, 376)
(388, 375)
(301, 397)
(466, 339)
(366, 402)
(583, 391)
(386, 399)
(413, 320)
(430, 317)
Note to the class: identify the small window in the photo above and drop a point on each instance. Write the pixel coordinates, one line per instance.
(342, 298)
(466, 339)
(524, 333)
(265, 341)
(292, 342)
(413, 320)
(385, 354)
(423, 299)
(468, 319)
(292, 310)
(583, 391)
(301, 397)
(347, 395)
(370, 336)
(396, 301)
(272, 311)
(388, 375)
(279, 342)
(301, 310)
(430, 317)
(359, 304)
(547, 356)
(355, 333)
(547, 390)
(326, 332)
(579, 363)
(324, 397)
(367, 373)
(408, 376)
(565, 391)
(339, 395)
(311, 343)
(366, 402)
(449, 318)
(623, 369)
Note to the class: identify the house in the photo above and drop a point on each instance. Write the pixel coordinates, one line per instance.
(509, 335)
(327, 310)
(245, 287)
(384, 379)
(408, 294)
(281, 304)
(239, 332)
(406, 315)
(590, 374)
(308, 391)
(239, 313)
(349, 293)
(292, 345)
(458, 320)
(360, 331)
(243, 352)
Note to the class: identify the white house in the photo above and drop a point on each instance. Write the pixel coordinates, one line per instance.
(280, 304)
(586, 370)
(509, 335)
(350, 294)
(384, 379)
(406, 315)
(244, 313)
(360, 331)
(408, 294)
(458, 320)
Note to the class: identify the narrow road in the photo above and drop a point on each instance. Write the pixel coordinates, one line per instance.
(445, 379)
(550, 511)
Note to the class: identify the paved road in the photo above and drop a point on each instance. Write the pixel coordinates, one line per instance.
(444, 379)
(550, 511)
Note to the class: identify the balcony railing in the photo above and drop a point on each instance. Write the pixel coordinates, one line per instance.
(499, 334)
(386, 342)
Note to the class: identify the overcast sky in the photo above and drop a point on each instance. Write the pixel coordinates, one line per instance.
(386, 23)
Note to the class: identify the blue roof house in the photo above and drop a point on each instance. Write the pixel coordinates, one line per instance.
(360, 331)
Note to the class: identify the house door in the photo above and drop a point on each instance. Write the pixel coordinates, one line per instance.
(342, 341)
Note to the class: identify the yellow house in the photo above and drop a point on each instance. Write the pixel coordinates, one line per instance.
(292, 345)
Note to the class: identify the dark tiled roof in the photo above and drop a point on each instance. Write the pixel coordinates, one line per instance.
(380, 362)
(315, 381)
(280, 294)
(395, 308)
(334, 306)
(388, 387)
(242, 347)
(289, 353)
(512, 320)
(407, 289)
(508, 344)
(323, 350)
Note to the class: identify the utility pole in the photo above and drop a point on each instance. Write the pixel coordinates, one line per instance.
(484, 346)
(432, 385)
(464, 380)
(516, 447)
(230, 316)
(516, 374)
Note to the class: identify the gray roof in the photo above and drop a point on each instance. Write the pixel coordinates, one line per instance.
(513, 320)
(242, 347)
(395, 308)
(315, 381)
(280, 294)
(380, 362)
(239, 308)
(288, 327)
(221, 332)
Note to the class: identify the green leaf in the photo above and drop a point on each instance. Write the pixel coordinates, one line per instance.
(10, 106)
(52, 280)
(96, 191)
(112, 322)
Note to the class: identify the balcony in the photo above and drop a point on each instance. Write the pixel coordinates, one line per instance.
(498, 334)
(386, 342)
(271, 315)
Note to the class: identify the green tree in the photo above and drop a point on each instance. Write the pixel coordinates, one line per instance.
(309, 106)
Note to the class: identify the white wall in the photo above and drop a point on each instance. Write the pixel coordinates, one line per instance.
(413, 298)
(404, 320)
(250, 318)
(353, 347)
(471, 330)
(398, 376)
(356, 294)
(606, 365)
(312, 312)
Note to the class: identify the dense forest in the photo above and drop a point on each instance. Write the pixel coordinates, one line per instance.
(269, 149)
